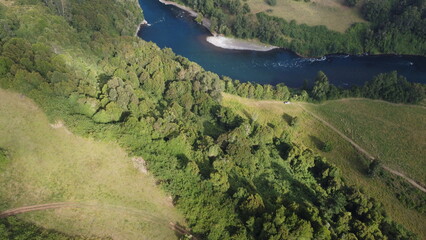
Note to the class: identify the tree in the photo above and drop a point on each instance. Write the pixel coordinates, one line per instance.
(271, 2)
(321, 87)
(393, 88)
(294, 121)
(112, 113)
(327, 147)
(374, 168)
(351, 3)
(376, 11)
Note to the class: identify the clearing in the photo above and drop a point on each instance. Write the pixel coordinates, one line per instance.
(330, 13)
(396, 134)
(49, 165)
(314, 133)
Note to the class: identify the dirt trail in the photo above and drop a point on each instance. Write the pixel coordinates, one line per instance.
(38, 207)
(362, 150)
(32, 208)
(414, 183)
(175, 227)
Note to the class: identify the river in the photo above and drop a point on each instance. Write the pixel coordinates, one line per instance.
(173, 28)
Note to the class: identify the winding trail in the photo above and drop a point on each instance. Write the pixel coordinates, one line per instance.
(32, 208)
(362, 150)
(39, 207)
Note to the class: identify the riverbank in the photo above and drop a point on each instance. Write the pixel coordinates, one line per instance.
(187, 38)
(185, 8)
(144, 22)
(238, 44)
(221, 41)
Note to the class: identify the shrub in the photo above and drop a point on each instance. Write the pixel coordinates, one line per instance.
(327, 147)
(271, 2)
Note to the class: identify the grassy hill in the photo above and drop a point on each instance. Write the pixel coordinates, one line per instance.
(314, 134)
(396, 134)
(330, 13)
(50, 164)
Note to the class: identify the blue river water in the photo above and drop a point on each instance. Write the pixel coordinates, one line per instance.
(173, 28)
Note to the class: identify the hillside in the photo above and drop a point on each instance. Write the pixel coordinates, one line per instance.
(353, 165)
(396, 134)
(49, 164)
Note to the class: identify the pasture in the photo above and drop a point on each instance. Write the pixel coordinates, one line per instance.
(49, 164)
(330, 13)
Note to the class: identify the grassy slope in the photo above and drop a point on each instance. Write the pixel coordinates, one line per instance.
(312, 133)
(52, 165)
(331, 13)
(394, 133)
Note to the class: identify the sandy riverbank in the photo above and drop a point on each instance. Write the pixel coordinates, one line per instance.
(220, 41)
(238, 44)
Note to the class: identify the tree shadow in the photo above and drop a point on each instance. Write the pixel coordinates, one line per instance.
(297, 191)
(247, 114)
(361, 164)
(287, 118)
(212, 130)
(182, 160)
(317, 142)
(103, 79)
(357, 161)
(181, 231)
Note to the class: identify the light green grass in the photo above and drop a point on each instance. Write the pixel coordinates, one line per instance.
(330, 13)
(52, 165)
(311, 133)
(396, 134)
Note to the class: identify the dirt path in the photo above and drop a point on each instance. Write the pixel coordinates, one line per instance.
(411, 181)
(15, 211)
(39, 207)
(362, 150)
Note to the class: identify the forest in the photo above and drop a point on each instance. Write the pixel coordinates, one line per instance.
(390, 87)
(231, 177)
(395, 27)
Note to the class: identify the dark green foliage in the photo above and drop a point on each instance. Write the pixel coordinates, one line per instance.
(271, 2)
(321, 87)
(258, 91)
(410, 196)
(386, 86)
(94, 16)
(351, 3)
(397, 26)
(232, 178)
(327, 147)
(374, 168)
(394, 88)
(294, 121)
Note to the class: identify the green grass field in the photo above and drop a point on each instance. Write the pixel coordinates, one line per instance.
(396, 134)
(313, 134)
(331, 13)
(49, 164)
